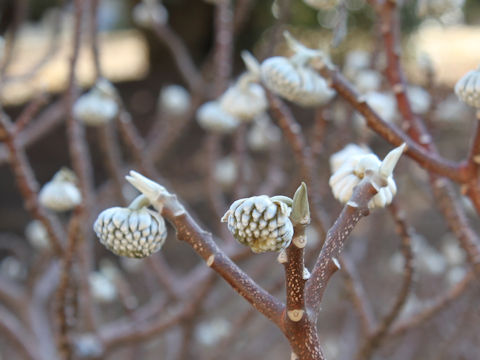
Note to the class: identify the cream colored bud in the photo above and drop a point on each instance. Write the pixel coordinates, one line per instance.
(150, 12)
(263, 134)
(37, 235)
(130, 232)
(102, 288)
(367, 81)
(353, 170)
(212, 117)
(468, 88)
(174, 100)
(347, 153)
(244, 101)
(261, 223)
(294, 82)
(61, 193)
(419, 98)
(97, 106)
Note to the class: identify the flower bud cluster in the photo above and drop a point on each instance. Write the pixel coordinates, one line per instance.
(98, 106)
(468, 88)
(293, 79)
(349, 168)
(61, 193)
(260, 222)
(131, 232)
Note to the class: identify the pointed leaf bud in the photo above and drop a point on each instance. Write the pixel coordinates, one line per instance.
(300, 207)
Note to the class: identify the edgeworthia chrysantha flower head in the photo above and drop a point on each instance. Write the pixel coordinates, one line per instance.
(61, 193)
(98, 106)
(37, 235)
(346, 154)
(147, 13)
(245, 99)
(468, 88)
(212, 117)
(134, 232)
(263, 134)
(293, 79)
(353, 170)
(174, 100)
(261, 222)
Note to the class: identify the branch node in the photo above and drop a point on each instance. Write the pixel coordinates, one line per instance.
(295, 315)
(210, 260)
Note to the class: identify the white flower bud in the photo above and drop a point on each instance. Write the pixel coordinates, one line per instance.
(419, 99)
(103, 289)
(468, 88)
(367, 81)
(13, 269)
(383, 104)
(226, 172)
(129, 232)
(37, 235)
(174, 100)
(150, 12)
(87, 346)
(297, 83)
(354, 169)
(355, 61)
(98, 106)
(61, 193)
(263, 134)
(261, 223)
(212, 117)
(211, 332)
(244, 100)
(347, 153)
(322, 4)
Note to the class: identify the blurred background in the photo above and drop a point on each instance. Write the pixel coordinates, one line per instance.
(437, 51)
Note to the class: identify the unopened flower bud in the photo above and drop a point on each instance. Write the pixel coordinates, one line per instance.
(468, 88)
(174, 100)
(260, 222)
(132, 232)
(37, 235)
(212, 117)
(353, 170)
(148, 13)
(61, 193)
(97, 106)
(293, 79)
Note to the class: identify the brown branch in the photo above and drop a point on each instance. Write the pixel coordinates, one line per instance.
(375, 339)
(82, 167)
(44, 123)
(188, 230)
(112, 158)
(427, 160)
(327, 262)
(62, 296)
(292, 131)
(28, 186)
(181, 56)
